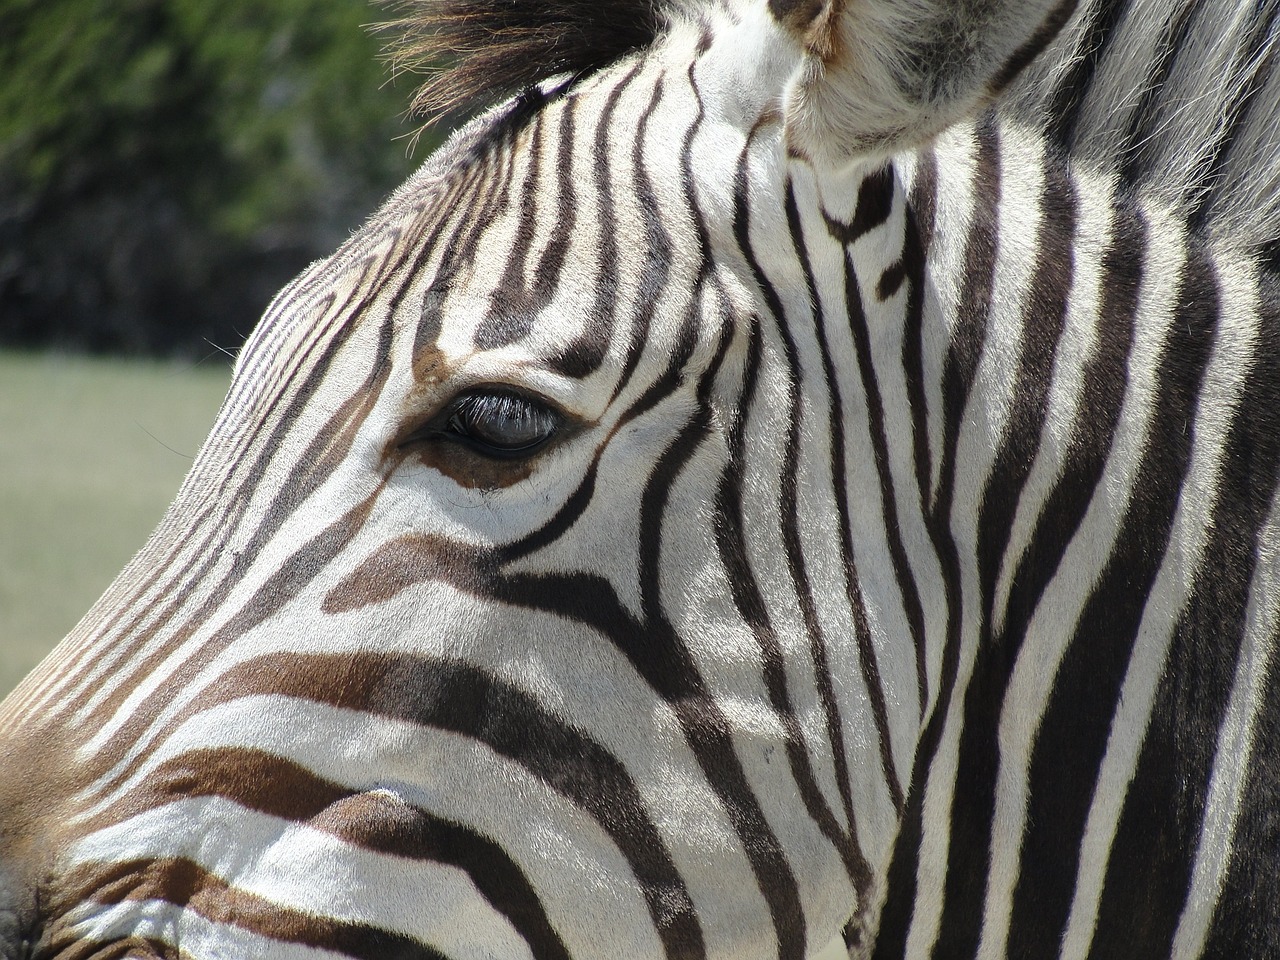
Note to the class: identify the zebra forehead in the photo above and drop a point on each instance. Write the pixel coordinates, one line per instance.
(493, 248)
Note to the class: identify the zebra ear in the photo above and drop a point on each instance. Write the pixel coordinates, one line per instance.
(884, 75)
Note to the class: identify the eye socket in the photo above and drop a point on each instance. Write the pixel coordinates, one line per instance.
(496, 423)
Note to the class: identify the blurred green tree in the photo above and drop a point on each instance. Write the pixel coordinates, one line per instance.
(166, 165)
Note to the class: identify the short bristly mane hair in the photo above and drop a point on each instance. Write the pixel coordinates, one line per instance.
(1195, 125)
(475, 52)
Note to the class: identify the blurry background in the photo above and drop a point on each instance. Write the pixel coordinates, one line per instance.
(165, 167)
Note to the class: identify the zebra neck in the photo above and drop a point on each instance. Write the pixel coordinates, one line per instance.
(962, 342)
(1025, 337)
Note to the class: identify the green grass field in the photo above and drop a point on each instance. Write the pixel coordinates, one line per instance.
(91, 453)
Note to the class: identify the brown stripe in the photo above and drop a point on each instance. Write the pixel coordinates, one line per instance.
(184, 883)
(278, 787)
(451, 697)
(294, 574)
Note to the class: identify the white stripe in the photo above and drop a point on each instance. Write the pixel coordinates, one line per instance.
(196, 937)
(982, 427)
(1079, 340)
(1236, 736)
(312, 871)
(1066, 400)
(1223, 383)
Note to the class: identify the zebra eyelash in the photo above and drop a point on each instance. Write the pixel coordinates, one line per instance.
(495, 422)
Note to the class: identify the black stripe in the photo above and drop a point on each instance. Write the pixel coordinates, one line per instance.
(388, 825)
(1066, 102)
(844, 841)
(527, 285)
(1104, 380)
(465, 700)
(708, 730)
(511, 310)
(1074, 732)
(1049, 28)
(1246, 925)
(1151, 861)
(582, 356)
(958, 373)
(867, 661)
(875, 204)
(186, 883)
(494, 177)
(845, 844)
(912, 608)
(470, 203)
(973, 804)
(281, 788)
(917, 238)
(547, 273)
(658, 252)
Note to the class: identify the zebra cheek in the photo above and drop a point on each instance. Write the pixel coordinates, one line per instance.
(401, 564)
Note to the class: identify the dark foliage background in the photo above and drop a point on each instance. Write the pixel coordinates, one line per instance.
(167, 165)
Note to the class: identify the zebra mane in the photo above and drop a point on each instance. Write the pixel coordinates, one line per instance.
(477, 51)
(1174, 97)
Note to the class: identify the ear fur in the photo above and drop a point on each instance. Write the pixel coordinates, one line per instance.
(884, 75)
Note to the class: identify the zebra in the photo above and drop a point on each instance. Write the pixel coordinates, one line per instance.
(781, 471)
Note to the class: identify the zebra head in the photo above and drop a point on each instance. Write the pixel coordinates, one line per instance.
(589, 558)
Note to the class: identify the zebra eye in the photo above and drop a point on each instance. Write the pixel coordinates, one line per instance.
(498, 423)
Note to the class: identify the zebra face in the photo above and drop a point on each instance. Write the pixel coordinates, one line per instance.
(438, 644)
(533, 608)
(680, 526)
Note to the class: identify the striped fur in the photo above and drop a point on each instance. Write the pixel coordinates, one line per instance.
(900, 561)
